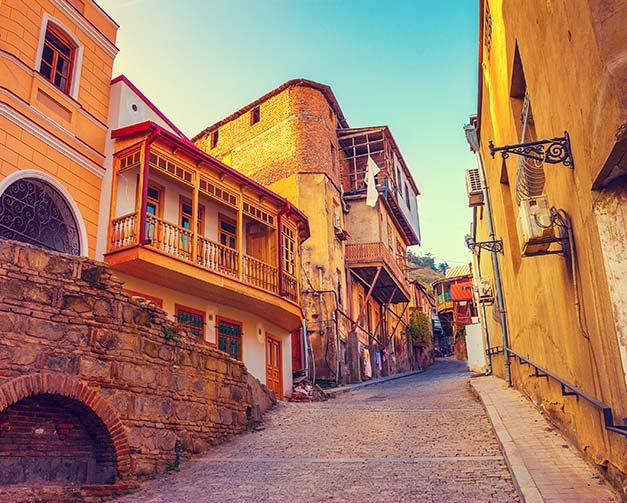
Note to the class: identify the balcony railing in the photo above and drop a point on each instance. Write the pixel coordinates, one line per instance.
(178, 242)
(260, 274)
(372, 253)
(217, 257)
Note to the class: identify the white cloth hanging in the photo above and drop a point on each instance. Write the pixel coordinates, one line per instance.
(372, 193)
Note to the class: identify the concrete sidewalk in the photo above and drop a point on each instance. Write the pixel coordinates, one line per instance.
(545, 466)
(363, 384)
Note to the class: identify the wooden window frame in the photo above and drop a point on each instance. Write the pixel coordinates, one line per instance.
(181, 308)
(161, 189)
(71, 59)
(288, 263)
(214, 137)
(231, 322)
(224, 218)
(255, 115)
(155, 300)
(200, 226)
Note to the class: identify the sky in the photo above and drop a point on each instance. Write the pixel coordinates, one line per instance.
(411, 65)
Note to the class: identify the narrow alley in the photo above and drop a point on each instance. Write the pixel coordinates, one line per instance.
(419, 438)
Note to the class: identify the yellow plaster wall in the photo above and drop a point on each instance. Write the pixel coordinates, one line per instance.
(565, 74)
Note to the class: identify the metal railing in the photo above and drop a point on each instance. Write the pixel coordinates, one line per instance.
(569, 389)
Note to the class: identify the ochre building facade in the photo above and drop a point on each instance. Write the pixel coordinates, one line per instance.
(296, 140)
(546, 68)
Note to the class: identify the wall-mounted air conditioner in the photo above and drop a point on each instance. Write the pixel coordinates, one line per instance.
(473, 187)
(485, 291)
(535, 225)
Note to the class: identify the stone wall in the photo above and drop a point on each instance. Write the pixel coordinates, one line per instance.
(98, 387)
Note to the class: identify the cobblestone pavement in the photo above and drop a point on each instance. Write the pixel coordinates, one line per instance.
(421, 438)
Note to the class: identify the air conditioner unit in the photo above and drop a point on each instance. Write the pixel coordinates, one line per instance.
(340, 233)
(485, 291)
(535, 225)
(473, 187)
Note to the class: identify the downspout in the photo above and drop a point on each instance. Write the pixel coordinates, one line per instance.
(143, 239)
(497, 271)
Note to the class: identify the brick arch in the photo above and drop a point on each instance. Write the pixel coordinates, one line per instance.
(69, 386)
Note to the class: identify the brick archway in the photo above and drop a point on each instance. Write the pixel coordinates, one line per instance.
(69, 386)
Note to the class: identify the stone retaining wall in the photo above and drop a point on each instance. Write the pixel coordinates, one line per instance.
(141, 390)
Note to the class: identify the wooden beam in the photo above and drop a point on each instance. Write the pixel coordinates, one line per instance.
(365, 303)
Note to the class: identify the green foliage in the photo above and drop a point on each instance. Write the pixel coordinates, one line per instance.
(169, 334)
(418, 328)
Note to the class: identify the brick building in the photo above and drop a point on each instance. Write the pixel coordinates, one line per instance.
(296, 140)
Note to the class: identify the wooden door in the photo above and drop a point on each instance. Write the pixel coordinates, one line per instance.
(257, 242)
(274, 367)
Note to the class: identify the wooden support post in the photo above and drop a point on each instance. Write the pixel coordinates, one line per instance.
(112, 203)
(142, 194)
(195, 213)
(362, 310)
(240, 236)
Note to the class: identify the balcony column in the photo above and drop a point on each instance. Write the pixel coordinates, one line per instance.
(141, 202)
(279, 230)
(113, 199)
(240, 237)
(195, 211)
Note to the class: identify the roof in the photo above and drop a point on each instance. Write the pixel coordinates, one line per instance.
(153, 107)
(323, 88)
(458, 271)
(200, 155)
(386, 131)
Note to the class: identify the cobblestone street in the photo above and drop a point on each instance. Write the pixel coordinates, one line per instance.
(419, 438)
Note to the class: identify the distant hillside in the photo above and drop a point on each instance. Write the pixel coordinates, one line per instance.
(423, 268)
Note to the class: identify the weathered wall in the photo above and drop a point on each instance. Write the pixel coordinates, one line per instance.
(67, 330)
(289, 150)
(566, 75)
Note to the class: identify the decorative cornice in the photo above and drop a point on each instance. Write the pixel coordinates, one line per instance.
(36, 130)
(87, 27)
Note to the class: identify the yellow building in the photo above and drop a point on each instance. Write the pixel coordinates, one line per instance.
(296, 140)
(217, 251)
(55, 68)
(550, 225)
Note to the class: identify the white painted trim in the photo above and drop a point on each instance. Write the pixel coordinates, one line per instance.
(38, 76)
(77, 64)
(39, 132)
(31, 173)
(87, 27)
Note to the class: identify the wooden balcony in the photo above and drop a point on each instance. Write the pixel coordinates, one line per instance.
(392, 285)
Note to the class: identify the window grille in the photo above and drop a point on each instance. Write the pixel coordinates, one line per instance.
(487, 30)
(191, 321)
(230, 339)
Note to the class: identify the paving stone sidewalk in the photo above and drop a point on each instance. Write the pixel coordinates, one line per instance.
(546, 466)
(422, 438)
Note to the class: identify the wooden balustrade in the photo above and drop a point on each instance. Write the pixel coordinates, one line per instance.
(290, 287)
(169, 238)
(372, 253)
(123, 231)
(178, 242)
(260, 274)
(217, 257)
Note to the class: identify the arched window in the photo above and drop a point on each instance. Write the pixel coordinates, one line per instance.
(33, 211)
(57, 58)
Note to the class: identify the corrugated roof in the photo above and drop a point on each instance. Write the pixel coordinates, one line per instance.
(459, 270)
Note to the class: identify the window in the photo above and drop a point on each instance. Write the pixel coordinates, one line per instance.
(153, 205)
(186, 214)
(390, 238)
(153, 210)
(190, 320)
(254, 116)
(57, 58)
(230, 338)
(333, 160)
(228, 232)
(339, 288)
(289, 249)
(407, 195)
(214, 139)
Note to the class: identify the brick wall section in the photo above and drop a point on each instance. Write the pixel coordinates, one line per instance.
(66, 329)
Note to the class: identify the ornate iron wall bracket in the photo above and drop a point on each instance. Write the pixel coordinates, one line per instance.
(494, 246)
(553, 151)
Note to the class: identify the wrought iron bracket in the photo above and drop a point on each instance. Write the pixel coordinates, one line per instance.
(494, 246)
(554, 151)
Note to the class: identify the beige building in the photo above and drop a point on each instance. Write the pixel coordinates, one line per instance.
(296, 140)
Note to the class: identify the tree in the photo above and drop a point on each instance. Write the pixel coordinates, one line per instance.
(418, 328)
(442, 267)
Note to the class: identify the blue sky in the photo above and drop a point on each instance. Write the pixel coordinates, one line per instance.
(408, 64)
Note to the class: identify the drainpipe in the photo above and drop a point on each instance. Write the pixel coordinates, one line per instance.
(486, 336)
(497, 273)
(472, 136)
(143, 239)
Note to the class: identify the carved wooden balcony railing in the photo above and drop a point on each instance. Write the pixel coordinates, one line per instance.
(178, 242)
(373, 253)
